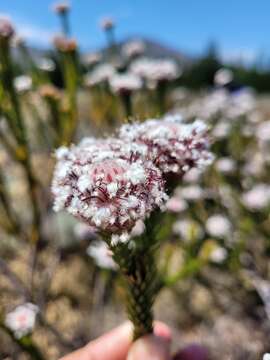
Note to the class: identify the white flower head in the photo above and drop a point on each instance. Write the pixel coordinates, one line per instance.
(155, 69)
(23, 83)
(125, 83)
(218, 226)
(266, 356)
(46, 64)
(225, 165)
(22, 320)
(218, 255)
(108, 184)
(173, 146)
(100, 74)
(223, 77)
(257, 198)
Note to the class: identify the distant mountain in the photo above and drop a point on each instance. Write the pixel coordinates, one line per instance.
(156, 49)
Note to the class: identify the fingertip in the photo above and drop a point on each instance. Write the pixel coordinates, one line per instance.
(162, 330)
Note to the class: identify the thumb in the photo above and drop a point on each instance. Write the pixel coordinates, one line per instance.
(150, 347)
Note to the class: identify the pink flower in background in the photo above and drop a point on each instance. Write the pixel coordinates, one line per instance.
(6, 28)
(176, 204)
(22, 320)
(61, 7)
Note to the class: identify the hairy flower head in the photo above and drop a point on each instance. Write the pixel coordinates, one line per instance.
(174, 147)
(107, 183)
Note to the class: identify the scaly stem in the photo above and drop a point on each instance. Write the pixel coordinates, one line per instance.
(140, 278)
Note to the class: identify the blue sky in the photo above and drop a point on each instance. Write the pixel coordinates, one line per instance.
(240, 27)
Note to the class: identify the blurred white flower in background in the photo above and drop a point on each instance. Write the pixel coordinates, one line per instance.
(100, 74)
(176, 204)
(23, 83)
(133, 48)
(83, 231)
(257, 198)
(101, 254)
(155, 69)
(223, 77)
(188, 230)
(263, 131)
(218, 226)
(46, 64)
(266, 356)
(92, 59)
(125, 83)
(222, 129)
(218, 255)
(21, 320)
(225, 165)
(193, 176)
(191, 192)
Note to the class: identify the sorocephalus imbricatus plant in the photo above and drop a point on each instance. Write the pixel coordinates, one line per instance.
(114, 184)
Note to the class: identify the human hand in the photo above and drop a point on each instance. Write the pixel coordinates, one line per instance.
(117, 345)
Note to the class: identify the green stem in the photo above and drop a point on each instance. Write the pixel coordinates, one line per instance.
(26, 344)
(139, 274)
(127, 104)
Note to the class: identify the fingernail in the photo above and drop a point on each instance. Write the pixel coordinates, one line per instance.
(149, 347)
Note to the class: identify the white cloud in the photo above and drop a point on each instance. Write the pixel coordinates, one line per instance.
(32, 33)
(35, 34)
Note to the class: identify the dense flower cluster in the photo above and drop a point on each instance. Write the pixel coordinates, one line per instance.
(114, 184)
(156, 70)
(125, 83)
(21, 321)
(107, 184)
(173, 146)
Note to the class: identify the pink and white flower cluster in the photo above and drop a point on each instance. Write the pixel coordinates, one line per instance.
(21, 321)
(113, 183)
(108, 184)
(173, 146)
